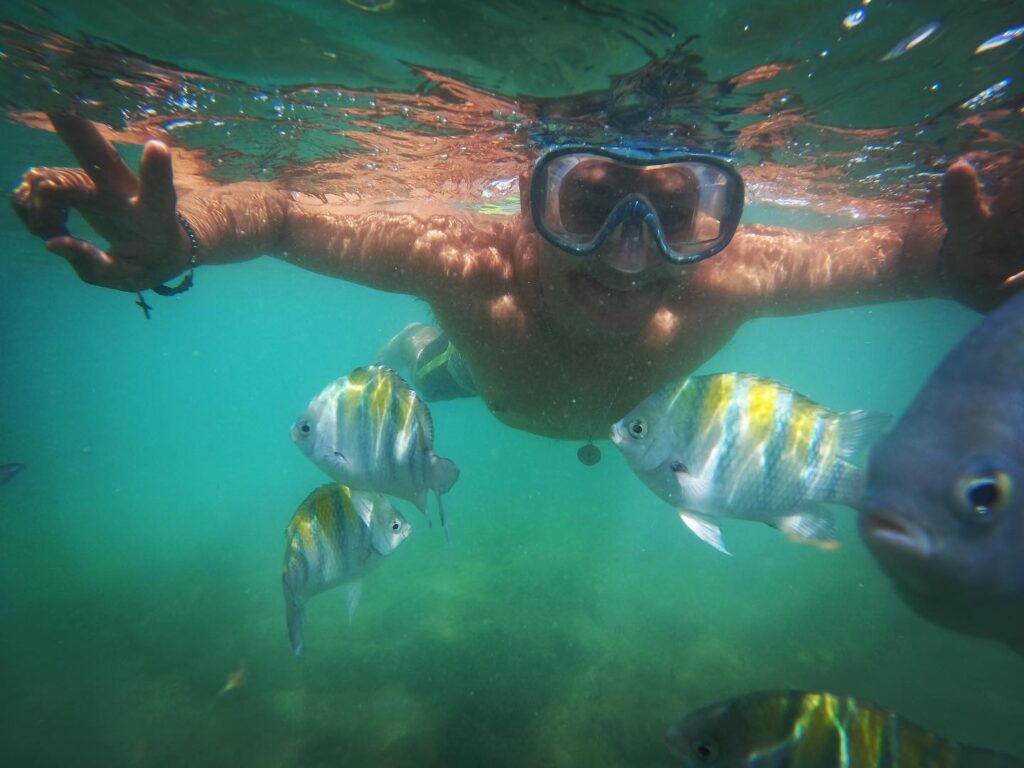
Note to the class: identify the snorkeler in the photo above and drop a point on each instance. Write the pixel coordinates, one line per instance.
(599, 293)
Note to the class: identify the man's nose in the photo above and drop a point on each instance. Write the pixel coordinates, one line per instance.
(627, 248)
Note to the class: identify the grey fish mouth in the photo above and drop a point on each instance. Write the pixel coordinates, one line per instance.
(886, 532)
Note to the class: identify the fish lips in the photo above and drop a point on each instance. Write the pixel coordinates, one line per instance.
(890, 535)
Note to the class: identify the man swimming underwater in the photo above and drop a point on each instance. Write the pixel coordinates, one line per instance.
(570, 314)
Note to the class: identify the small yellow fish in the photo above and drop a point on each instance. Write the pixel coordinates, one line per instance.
(236, 680)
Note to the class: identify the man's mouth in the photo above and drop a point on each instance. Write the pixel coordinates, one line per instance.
(616, 299)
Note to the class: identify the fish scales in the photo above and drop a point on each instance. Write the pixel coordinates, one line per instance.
(740, 445)
(758, 413)
(327, 527)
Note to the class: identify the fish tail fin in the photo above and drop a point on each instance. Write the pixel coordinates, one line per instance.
(859, 429)
(295, 615)
(817, 528)
(445, 474)
(849, 488)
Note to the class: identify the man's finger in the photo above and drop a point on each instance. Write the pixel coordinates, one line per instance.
(962, 206)
(96, 155)
(85, 258)
(157, 178)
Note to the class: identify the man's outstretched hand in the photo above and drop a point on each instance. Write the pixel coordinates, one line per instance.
(983, 254)
(136, 215)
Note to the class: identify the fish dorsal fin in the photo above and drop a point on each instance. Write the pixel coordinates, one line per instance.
(859, 429)
(706, 531)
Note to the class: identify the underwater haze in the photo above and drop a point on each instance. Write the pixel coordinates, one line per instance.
(572, 618)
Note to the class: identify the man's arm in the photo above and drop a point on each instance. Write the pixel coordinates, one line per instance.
(967, 250)
(419, 250)
(415, 248)
(771, 270)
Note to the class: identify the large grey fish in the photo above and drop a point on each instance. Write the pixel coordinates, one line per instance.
(335, 536)
(740, 445)
(371, 431)
(799, 729)
(7, 471)
(943, 511)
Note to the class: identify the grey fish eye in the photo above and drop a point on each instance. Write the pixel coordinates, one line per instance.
(395, 525)
(978, 498)
(304, 429)
(705, 750)
(638, 428)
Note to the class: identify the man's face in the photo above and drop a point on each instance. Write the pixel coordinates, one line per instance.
(616, 290)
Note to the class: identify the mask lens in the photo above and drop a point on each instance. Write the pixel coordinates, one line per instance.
(578, 201)
(588, 193)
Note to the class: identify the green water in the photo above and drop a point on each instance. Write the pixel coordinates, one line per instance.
(571, 619)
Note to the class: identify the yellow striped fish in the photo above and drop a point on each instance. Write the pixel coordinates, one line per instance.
(335, 536)
(815, 730)
(739, 445)
(371, 431)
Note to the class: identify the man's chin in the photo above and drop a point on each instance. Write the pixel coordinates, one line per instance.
(625, 306)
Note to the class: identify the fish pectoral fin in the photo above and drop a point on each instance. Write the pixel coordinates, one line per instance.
(816, 528)
(694, 487)
(706, 531)
(353, 592)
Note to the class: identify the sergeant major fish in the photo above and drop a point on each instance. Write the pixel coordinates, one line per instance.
(738, 445)
(335, 537)
(943, 512)
(371, 431)
(815, 730)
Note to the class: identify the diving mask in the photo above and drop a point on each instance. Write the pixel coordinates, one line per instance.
(690, 202)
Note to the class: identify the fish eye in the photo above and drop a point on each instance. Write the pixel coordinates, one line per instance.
(304, 429)
(706, 750)
(395, 526)
(979, 497)
(638, 428)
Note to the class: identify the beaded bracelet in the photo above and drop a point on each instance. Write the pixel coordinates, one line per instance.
(186, 281)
